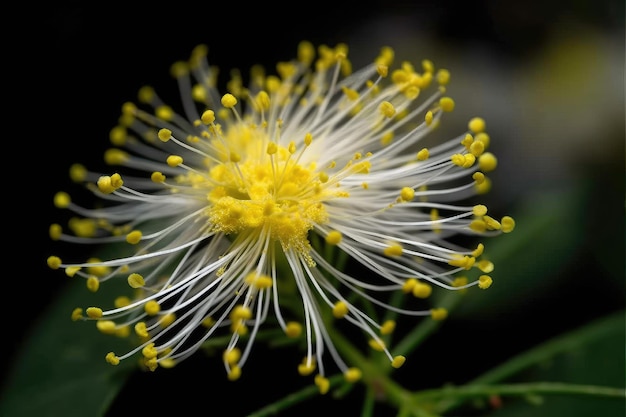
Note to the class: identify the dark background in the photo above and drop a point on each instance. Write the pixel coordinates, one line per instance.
(547, 76)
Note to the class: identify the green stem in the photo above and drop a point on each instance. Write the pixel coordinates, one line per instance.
(570, 341)
(524, 389)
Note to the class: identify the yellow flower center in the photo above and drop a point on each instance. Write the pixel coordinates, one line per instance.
(265, 191)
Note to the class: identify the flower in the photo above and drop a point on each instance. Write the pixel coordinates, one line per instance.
(228, 214)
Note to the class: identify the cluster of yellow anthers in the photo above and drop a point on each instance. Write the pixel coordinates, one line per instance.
(222, 228)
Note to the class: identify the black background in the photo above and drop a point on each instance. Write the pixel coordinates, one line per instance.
(74, 65)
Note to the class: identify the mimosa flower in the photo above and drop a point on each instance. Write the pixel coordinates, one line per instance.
(227, 216)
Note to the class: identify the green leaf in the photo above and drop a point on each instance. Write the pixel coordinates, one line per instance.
(61, 370)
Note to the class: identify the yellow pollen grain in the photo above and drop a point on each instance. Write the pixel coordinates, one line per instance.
(393, 250)
(94, 312)
(484, 282)
(446, 104)
(340, 309)
(93, 284)
(174, 160)
(398, 361)
(508, 224)
(135, 280)
(387, 109)
(476, 125)
(407, 194)
(423, 154)
(421, 290)
(152, 308)
(164, 135)
(134, 237)
(438, 314)
(208, 117)
(229, 101)
(487, 162)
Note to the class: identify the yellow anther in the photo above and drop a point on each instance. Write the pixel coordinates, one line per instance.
(134, 237)
(231, 356)
(94, 312)
(485, 266)
(382, 70)
(352, 375)
(258, 281)
(398, 361)
(421, 290)
(164, 112)
(272, 148)
(467, 141)
(423, 155)
(484, 138)
(151, 363)
(135, 280)
(487, 162)
(476, 125)
(157, 177)
(174, 160)
(263, 101)
(393, 250)
(208, 322)
(350, 93)
(167, 320)
(118, 135)
(469, 160)
(121, 301)
(229, 101)
(387, 109)
(479, 210)
(484, 282)
(240, 312)
(54, 262)
(477, 148)
(478, 251)
(322, 383)
(408, 285)
(234, 373)
(340, 309)
(428, 118)
(457, 159)
(112, 359)
(308, 138)
(443, 76)
(446, 104)
(106, 326)
(234, 157)
(333, 237)
(149, 351)
(77, 314)
(388, 327)
(115, 156)
(71, 270)
(208, 117)
(307, 367)
(478, 225)
(164, 135)
(141, 330)
(293, 329)
(459, 281)
(492, 223)
(377, 344)
(407, 194)
(108, 184)
(152, 308)
(479, 177)
(483, 187)
(508, 224)
(93, 283)
(438, 313)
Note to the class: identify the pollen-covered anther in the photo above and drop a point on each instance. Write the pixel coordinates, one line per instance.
(260, 282)
(93, 284)
(446, 104)
(174, 160)
(352, 375)
(476, 125)
(423, 154)
(229, 101)
(94, 312)
(141, 329)
(421, 290)
(407, 194)
(340, 309)
(487, 162)
(293, 329)
(387, 109)
(393, 250)
(484, 282)
(231, 356)
(135, 280)
(388, 327)
(508, 224)
(54, 262)
(157, 177)
(398, 361)
(333, 237)
(152, 308)
(322, 383)
(307, 367)
(134, 237)
(108, 184)
(112, 359)
(164, 135)
(438, 314)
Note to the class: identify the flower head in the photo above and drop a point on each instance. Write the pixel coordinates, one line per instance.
(229, 212)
